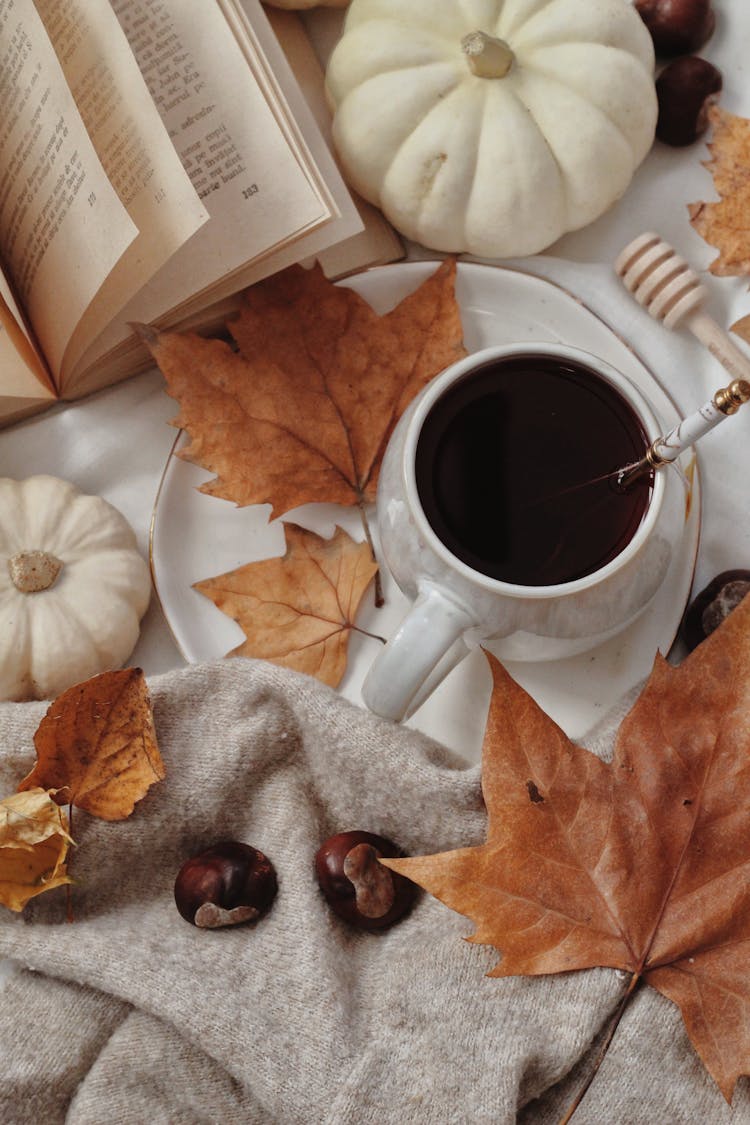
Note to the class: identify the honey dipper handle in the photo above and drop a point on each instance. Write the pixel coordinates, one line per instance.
(720, 344)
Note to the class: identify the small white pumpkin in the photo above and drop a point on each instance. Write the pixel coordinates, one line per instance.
(73, 587)
(492, 126)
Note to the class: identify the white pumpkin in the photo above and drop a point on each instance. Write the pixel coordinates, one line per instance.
(492, 126)
(73, 587)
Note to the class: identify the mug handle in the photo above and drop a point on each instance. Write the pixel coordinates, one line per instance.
(429, 630)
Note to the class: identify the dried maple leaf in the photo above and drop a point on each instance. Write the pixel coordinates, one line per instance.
(742, 328)
(726, 224)
(96, 745)
(642, 864)
(298, 610)
(303, 411)
(34, 842)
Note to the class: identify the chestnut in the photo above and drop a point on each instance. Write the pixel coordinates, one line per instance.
(356, 886)
(677, 27)
(225, 885)
(715, 602)
(685, 91)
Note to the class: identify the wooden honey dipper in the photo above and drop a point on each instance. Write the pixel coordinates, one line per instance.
(671, 292)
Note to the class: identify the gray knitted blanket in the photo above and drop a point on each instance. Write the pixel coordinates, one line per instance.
(129, 1014)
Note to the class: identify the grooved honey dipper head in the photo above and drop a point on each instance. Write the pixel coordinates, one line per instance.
(659, 279)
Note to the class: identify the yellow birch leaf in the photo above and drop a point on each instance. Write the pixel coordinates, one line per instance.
(97, 745)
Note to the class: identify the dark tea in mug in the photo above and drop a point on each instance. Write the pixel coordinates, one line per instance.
(516, 470)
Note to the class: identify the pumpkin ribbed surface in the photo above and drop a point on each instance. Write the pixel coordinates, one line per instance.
(494, 166)
(86, 620)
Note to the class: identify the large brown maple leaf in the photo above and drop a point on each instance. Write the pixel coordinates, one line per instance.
(303, 411)
(641, 864)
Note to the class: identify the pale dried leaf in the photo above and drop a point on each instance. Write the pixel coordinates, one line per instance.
(726, 224)
(299, 610)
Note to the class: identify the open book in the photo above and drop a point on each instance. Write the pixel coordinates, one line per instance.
(156, 157)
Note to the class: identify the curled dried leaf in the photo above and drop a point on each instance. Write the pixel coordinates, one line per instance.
(34, 843)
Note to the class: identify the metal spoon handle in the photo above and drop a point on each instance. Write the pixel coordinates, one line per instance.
(668, 448)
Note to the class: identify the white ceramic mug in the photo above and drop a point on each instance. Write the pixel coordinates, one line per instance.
(456, 605)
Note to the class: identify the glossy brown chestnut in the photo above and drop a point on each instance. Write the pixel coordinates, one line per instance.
(686, 90)
(225, 885)
(713, 604)
(356, 886)
(677, 27)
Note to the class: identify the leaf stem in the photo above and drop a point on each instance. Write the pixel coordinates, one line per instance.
(379, 598)
(366, 633)
(613, 1025)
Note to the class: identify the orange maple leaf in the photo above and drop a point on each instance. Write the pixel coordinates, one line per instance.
(641, 864)
(299, 610)
(303, 411)
(96, 745)
(726, 224)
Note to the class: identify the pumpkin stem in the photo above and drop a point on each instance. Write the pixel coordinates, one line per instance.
(487, 56)
(32, 571)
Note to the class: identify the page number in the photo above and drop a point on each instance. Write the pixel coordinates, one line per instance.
(248, 191)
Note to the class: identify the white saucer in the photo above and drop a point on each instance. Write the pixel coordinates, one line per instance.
(194, 536)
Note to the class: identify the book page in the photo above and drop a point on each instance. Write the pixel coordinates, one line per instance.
(377, 243)
(24, 375)
(133, 146)
(263, 193)
(62, 227)
(239, 160)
